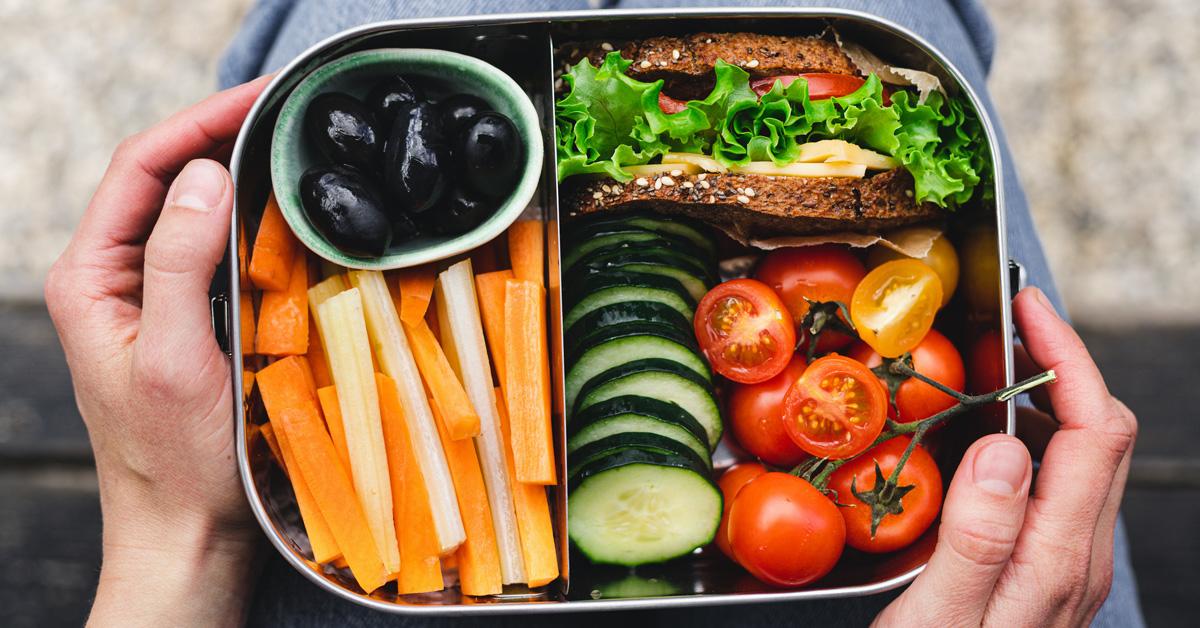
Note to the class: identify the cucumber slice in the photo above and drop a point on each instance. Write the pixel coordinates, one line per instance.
(616, 237)
(619, 344)
(694, 232)
(695, 284)
(600, 289)
(631, 414)
(658, 379)
(637, 507)
(609, 445)
(646, 312)
(651, 252)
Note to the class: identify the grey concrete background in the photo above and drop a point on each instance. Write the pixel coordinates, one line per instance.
(1099, 100)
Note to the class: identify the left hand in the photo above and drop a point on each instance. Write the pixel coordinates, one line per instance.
(129, 298)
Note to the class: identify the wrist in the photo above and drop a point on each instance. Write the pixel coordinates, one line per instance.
(164, 564)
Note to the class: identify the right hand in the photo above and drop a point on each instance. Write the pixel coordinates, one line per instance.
(1006, 557)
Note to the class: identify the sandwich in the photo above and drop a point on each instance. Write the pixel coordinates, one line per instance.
(763, 135)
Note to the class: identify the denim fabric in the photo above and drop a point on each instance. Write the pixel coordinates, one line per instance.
(275, 31)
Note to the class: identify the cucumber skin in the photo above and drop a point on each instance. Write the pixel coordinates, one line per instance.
(644, 406)
(616, 443)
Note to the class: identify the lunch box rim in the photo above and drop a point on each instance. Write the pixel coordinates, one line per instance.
(232, 303)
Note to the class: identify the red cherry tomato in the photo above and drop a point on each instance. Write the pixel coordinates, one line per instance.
(817, 273)
(836, 409)
(756, 417)
(745, 331)
(921, 504)
(731, 482)
(784, 531)
(986, 374)
(935, 357)
(820, 85)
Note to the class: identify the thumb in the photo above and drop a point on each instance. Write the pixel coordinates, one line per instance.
(981, 520)
(187, 243)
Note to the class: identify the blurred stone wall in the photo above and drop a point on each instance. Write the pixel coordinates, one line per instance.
(1099, 100)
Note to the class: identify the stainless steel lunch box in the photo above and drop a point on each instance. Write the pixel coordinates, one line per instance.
(523, 45)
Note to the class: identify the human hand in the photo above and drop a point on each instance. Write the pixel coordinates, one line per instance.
(129, 298)
(1009, 557)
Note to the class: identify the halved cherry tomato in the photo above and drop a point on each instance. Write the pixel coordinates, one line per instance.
(895, 304)
(670, 105)
(921, 504)
(820, 85)
(731, 482)
(745, 331)
(817, 273)
(784, 531)
(941, 257)
(756, 416)
(935, 358)
(836, 409)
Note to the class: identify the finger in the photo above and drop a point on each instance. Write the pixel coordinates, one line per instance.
(1100, 580)
(1025, 368)
(129, 197)
(981, 521)
(182, 253)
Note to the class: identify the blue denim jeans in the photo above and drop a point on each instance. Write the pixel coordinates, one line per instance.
(275, 31)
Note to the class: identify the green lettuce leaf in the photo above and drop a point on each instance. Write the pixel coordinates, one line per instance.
(608, 120)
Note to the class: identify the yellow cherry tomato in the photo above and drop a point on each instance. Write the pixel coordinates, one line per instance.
(941, 257)
(894, 306)
(981, 272)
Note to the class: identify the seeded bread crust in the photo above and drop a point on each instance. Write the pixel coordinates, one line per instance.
(759, 206)
(686, 62)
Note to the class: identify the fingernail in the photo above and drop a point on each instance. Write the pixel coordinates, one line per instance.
(201, 186)
(1000, 467)
(1041, 298)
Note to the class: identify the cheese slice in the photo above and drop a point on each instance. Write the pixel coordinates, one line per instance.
(675, 170)
(768, 168)
(841, 151)
(704, 162)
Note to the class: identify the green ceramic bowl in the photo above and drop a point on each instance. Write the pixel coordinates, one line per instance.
(292, 153)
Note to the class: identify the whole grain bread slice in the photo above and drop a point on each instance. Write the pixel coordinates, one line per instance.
(686, 62)
(754, 206)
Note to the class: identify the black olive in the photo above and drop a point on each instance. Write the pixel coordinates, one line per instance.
(457, 112)
(415, 159)
(404, 227)
(344, 130)
(389, 96)
(489, 155)
(344, 205)
(461, 212)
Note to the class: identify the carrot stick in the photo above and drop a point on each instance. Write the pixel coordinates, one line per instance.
(443, 383)
(247, 383)
(420, 568)
(246, 316)
(283, 319)
(316, 355)
(485, 258)
(479, 556)
(416, 289)
(271, 262)
(320, 538)
(289, 403)
(527, 389)
(243, 256)
(327, 395)
(533, 518)
(489, 288)
(527, 250)
(267, 431)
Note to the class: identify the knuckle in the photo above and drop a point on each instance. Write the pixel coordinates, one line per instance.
(982, 543)
(127, 147)
(168, 254)
(157, 374)
(57, 290)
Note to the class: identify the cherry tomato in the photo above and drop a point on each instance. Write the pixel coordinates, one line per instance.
(670, 105)
(894, 306)
(986, 358)
(836, 409)
(981, 272)
(756, 416)
(817, 273)
(921, 504)
(941, 258)
(731, 482)
(745, 331)
(820, 85)
(784, 531)
(935, 358)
